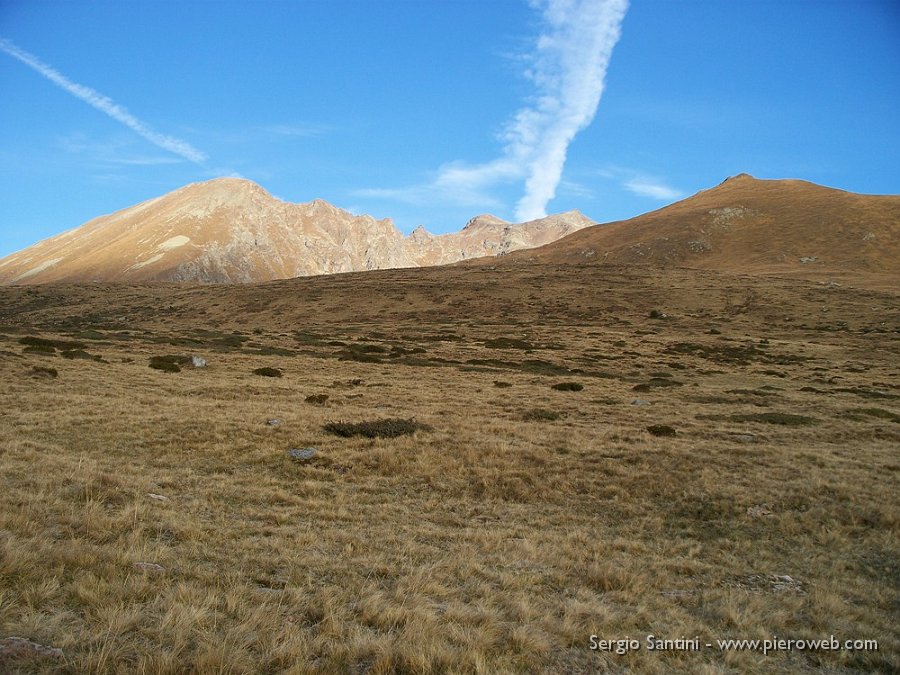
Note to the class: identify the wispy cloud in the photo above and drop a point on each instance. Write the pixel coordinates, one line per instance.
(116, 152)
(105, 105)
(650, 187)
(568, 68)
(639, 183)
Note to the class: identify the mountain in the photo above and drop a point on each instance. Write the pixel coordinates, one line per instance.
(748, 225)
(231, 230)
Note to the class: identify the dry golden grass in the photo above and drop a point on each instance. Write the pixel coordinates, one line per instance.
(486, 543)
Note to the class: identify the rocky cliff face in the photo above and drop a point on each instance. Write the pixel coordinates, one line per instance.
(231, 230)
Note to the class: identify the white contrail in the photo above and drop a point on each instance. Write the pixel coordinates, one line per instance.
(569, 69)
(105, 104)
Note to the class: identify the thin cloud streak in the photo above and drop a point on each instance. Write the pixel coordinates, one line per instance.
(105, 105)
(646, 187)
(568, 68)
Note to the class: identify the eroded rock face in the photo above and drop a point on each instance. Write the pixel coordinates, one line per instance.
(231, 230)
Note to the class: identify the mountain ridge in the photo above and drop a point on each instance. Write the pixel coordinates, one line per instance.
(231, 230)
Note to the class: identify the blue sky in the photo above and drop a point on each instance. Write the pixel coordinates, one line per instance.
(430, 112)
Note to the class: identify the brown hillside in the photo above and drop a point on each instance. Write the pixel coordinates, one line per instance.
(748, 225)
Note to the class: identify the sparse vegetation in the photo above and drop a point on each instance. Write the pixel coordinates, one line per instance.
(541, 415)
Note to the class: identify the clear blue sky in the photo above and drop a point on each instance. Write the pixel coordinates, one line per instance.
(399, 108)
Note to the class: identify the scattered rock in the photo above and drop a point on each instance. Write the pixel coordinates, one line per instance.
(640, 401)
(159, 498)
(198, 362)
(273, 422)
(677, 594)
(759, 511)
(808, 259)
(20, 648)
(768, 583)
(151, 568)
(303, 454)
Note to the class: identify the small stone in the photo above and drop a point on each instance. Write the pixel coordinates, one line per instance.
(20, 648)
(273, 423)
(759, 511)
(303, 454)
(159, 498)
(149, 567)
(640, 401)
(198, 362)
(677, 593)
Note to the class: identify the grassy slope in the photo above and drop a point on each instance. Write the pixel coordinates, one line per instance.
(487, 544)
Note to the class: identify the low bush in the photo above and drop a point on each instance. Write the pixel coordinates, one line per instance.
(568, 386)
(383, 428)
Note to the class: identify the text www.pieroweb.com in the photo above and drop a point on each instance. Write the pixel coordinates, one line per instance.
(654, 643)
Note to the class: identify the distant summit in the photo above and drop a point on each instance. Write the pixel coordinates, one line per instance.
(230, 230)
(745, 224)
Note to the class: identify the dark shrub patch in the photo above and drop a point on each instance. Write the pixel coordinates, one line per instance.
(541, 415)
(267, 372)
(166, 366)
(784, 419)
(316, 399)
(271, 351)
(41, 371)
(79, 354)
(39, 349)
(502, 385)
(383, 428)
(508, 343)
(568, 386)
(656, 314)
(33, 341)
(170, 363)
(656, 382)
(879, 413)
(661, 430)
